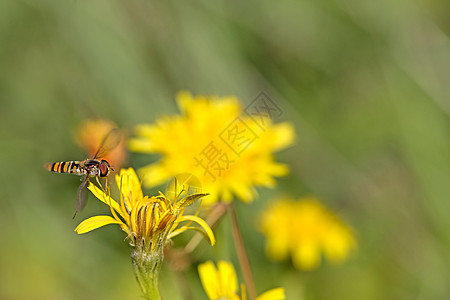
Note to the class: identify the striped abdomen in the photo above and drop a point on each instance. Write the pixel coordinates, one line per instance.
(72, 167)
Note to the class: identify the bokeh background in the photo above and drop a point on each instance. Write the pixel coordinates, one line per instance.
(366, 84)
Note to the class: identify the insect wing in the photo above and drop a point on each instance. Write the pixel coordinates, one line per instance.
(110, 141)
(81, 195)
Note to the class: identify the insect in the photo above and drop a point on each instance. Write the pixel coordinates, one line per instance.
(91, 167)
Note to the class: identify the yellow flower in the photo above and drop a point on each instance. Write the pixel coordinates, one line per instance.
(229, 151)
(90, 134)
(221, 283)
(147, 221)
(305, 229)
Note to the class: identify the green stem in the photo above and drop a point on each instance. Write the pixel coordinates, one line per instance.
(146, 265)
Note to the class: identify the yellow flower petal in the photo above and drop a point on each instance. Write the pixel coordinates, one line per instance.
(339, 245)
(210, 279)
(209, 234)
(228, 279)
(283, 135)
(273, 294)
(155, 174)
(94, 223)
(277, 248)
(306, 256)
(130, 186)
(140, 145)
(103, 197)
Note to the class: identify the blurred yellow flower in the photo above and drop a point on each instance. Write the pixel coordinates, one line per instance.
(148, 222)
(90, 134)
(305, 229)
(229, 151)
(221, 283)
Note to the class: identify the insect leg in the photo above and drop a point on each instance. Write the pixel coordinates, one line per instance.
(100, 185)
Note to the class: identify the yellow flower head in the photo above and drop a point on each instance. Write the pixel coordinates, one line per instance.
(230, 151)
(305, 229)
(221, 283)
(148, 221)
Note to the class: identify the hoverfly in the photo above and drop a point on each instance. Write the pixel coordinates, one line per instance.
(91, 167)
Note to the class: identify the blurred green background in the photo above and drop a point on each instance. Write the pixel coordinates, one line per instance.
(366, 83)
